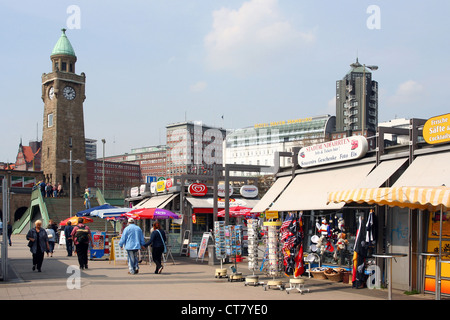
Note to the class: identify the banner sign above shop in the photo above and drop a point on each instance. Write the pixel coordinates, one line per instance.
(349, 148)
(437, 129)
(198, 189)
(249, 191)
(221, 190)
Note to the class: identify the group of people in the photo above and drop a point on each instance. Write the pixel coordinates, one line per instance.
(43, 241)
(50, 191)
(133, 239)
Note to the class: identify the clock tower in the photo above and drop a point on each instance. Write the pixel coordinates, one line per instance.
(63, 140)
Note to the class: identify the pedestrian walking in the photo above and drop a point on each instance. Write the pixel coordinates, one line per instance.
(51, 235)
(38, 243)
(60, 190)
(69, 240)
(9, 233)
(87, 200)
(82, 238)
(158, 243)
(133, 240)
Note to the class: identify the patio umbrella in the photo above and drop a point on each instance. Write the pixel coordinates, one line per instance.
(74, 220)
(87, 212)
(237, 211)
(111, 213)
(432, 199)
(151, 213)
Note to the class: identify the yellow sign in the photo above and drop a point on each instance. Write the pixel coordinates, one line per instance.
(437, 129)
(161, 185)
(271, 214)
(281, 123)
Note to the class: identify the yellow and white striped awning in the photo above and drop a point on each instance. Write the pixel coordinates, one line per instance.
(423, 198)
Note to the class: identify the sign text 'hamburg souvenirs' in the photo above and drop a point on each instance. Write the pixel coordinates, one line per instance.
(349, 148)
(437, 129)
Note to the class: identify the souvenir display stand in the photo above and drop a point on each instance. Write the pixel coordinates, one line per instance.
(233, 242)
(274, 255)
(252, 233)
(219, 239)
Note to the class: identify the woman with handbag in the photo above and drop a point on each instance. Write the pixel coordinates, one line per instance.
(51, 235)
(38, 243)
(158, 242)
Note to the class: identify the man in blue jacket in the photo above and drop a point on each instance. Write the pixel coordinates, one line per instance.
(133, 240)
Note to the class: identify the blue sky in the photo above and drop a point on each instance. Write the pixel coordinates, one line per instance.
(150, 63)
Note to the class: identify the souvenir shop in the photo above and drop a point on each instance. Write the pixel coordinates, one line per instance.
(352, 232)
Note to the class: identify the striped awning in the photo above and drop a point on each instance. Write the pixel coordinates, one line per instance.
(423, 198)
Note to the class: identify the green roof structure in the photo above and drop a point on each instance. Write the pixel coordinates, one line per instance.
(63, 46)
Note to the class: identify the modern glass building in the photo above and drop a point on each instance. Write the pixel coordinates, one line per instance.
(257, 145)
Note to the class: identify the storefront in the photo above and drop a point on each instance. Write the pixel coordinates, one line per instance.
(396, 229)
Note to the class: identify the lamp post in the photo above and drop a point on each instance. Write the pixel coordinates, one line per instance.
(103, 168)
(70, 178)
(363, 120)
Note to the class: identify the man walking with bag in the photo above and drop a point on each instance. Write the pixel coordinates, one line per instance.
(133, 240)
(82, 238)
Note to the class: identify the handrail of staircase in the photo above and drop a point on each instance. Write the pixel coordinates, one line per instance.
(36, 196)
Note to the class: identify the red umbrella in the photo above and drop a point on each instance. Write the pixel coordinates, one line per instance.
(74, 220)
(237, 211)
(151, 213)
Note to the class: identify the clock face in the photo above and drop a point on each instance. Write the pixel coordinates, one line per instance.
(69, 93)
(51, 93)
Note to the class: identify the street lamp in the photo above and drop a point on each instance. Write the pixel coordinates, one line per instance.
(363, 120)
(103, 172)
(70, 177)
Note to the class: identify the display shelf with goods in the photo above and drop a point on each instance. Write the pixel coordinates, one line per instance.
(252, 240)
(274, 255)
(220, 246)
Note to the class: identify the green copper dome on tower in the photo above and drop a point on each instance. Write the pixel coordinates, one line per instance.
(63, 46)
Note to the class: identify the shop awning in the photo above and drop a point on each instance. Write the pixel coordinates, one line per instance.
(423, 198)
(309, 191)
(427, 170)
(382, 173)
(274, 191)
(154, 202)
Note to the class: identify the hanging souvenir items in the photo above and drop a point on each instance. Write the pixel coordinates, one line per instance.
(359, 255)
(292, 235)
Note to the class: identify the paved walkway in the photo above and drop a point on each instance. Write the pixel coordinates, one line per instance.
(187, 279)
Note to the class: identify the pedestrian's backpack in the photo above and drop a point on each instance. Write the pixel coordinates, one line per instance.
(82, 235)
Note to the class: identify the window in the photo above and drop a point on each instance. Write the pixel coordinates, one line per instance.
(50, 120)
(64, 66)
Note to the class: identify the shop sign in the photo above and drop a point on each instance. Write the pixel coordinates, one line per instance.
(169, 183)
(271, 215)
(161, 185)
(437, 129)
(221, 190)
(249, 191)
(349, 148)
(198, 189)
(134, 192)
(153, 187)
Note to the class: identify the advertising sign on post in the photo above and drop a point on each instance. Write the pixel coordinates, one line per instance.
(437, 129)
(98, 244)
(198, 189)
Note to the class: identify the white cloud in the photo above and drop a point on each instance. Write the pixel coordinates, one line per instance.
(198, 87)
(253, 37)
(406, 92)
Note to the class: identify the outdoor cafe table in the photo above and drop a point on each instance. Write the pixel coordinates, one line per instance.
(437, 276)
(389, 257)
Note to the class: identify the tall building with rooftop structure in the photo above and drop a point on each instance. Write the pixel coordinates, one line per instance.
(63, 138)
(356, 103)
